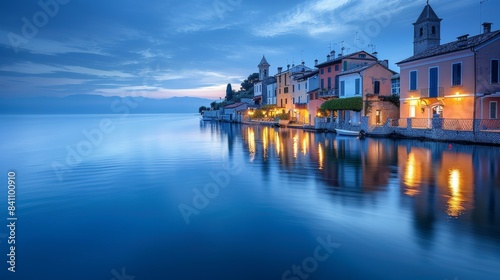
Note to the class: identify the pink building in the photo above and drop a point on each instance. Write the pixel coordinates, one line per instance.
(457, 80)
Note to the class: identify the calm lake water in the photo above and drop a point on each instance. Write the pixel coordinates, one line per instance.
(170, 197)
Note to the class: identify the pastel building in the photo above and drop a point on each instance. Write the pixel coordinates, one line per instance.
(371, 82)
(287, 86)
(456, 80)
(260, 87)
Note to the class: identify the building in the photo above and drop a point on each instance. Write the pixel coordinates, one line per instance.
(372, 82)
(456, 80)
(287, 83)
(328, 72)
(271, 91)
(260, 87)
(230, 112)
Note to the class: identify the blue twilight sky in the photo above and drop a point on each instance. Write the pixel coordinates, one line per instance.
(165, 48)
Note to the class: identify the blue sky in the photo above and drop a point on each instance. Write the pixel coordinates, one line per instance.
(164, 48)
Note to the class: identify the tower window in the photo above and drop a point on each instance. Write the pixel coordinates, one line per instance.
(421, 31)
(433, 30)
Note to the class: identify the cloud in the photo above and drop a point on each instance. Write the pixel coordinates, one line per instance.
(37, 68)
(213, 92)
(333, 17)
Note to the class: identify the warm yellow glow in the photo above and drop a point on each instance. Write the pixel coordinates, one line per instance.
(295, 145)
(321, 156)
(251, 143)
(454, 184)
(305, 140)
(411, 175)
(277, 143)
(265, 140)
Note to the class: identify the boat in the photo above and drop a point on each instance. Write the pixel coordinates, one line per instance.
(348, 132)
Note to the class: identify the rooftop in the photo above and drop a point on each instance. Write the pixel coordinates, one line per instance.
(458, 45)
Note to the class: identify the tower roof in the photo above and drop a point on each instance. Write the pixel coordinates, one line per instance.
(263, 62)
(427, 14)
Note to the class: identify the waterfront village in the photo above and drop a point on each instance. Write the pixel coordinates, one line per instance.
(443, 92)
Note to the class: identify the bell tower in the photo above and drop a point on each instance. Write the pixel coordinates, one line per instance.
(427, 30)
(263, 69)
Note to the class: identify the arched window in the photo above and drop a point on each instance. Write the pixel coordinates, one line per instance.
(433, 30)
(421, 31)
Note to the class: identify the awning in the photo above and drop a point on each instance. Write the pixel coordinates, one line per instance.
(430, 101)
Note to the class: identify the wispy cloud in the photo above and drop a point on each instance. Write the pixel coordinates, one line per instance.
(38, 68)
(162, 92)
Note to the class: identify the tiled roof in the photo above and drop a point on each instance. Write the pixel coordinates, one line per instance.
(363, 67)
(235, 105)
(263, 62)
(339, 59)
(454, 46)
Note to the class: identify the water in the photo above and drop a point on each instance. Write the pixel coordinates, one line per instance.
(279, 204)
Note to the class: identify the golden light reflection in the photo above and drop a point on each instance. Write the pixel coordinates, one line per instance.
(265, 140)
(305, 140)
(277, 143)
(251, 143)
(411, 175)
(295, 145)
(455, 207)
(321, 156)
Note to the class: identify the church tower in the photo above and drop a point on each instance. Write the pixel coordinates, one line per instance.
(427, 30)
(263, 69)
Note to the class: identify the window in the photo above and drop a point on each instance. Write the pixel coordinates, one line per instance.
(337, 67)
(286, 101)
(493, 110)
(357, 85)
(329, 83)
(378, 117)
(376, 87)
(362, 55)
(411, 113)
(322, 83)
(495, 71)
(322, 71)
(344, 66)
(279, 79)
(395, 86)
(413, 80)
(293, 88)
(433, 30)
(342, 88)
(293, 100)
(456, 76)
(298, 87)
(421, 32)
(286, 90)
(330, 69)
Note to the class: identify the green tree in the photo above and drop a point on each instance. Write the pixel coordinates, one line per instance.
(202, 109)
(229, 92)
(247, 84)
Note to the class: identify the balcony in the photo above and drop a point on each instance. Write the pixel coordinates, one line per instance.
(325, 93)
(426, 92)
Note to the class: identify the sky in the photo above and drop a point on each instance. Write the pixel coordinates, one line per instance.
(165, 48)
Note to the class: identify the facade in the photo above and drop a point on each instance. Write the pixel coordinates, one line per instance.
(371, 82)
(271, 91)
(230, 112)
(457, 80)
(286, 83)
(313, 101)
(328, 73)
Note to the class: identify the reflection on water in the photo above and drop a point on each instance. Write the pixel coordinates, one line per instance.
(399, 209)
(445, 174)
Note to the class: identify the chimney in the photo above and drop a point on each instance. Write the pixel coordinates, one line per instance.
(288, 67)
(375, 54)
(303, 63)
(385, 62)
(487, 27)
(340, 55)
(315, 62)
(463, 37)
(328, 58)
(280, 69)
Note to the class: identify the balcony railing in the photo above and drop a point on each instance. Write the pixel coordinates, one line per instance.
(425, 92)
(328, 93)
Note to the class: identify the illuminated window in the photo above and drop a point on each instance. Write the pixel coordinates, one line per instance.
(411, 113)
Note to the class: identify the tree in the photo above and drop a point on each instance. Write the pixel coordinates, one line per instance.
(248, 83)
(202, 109)
(229, 92)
